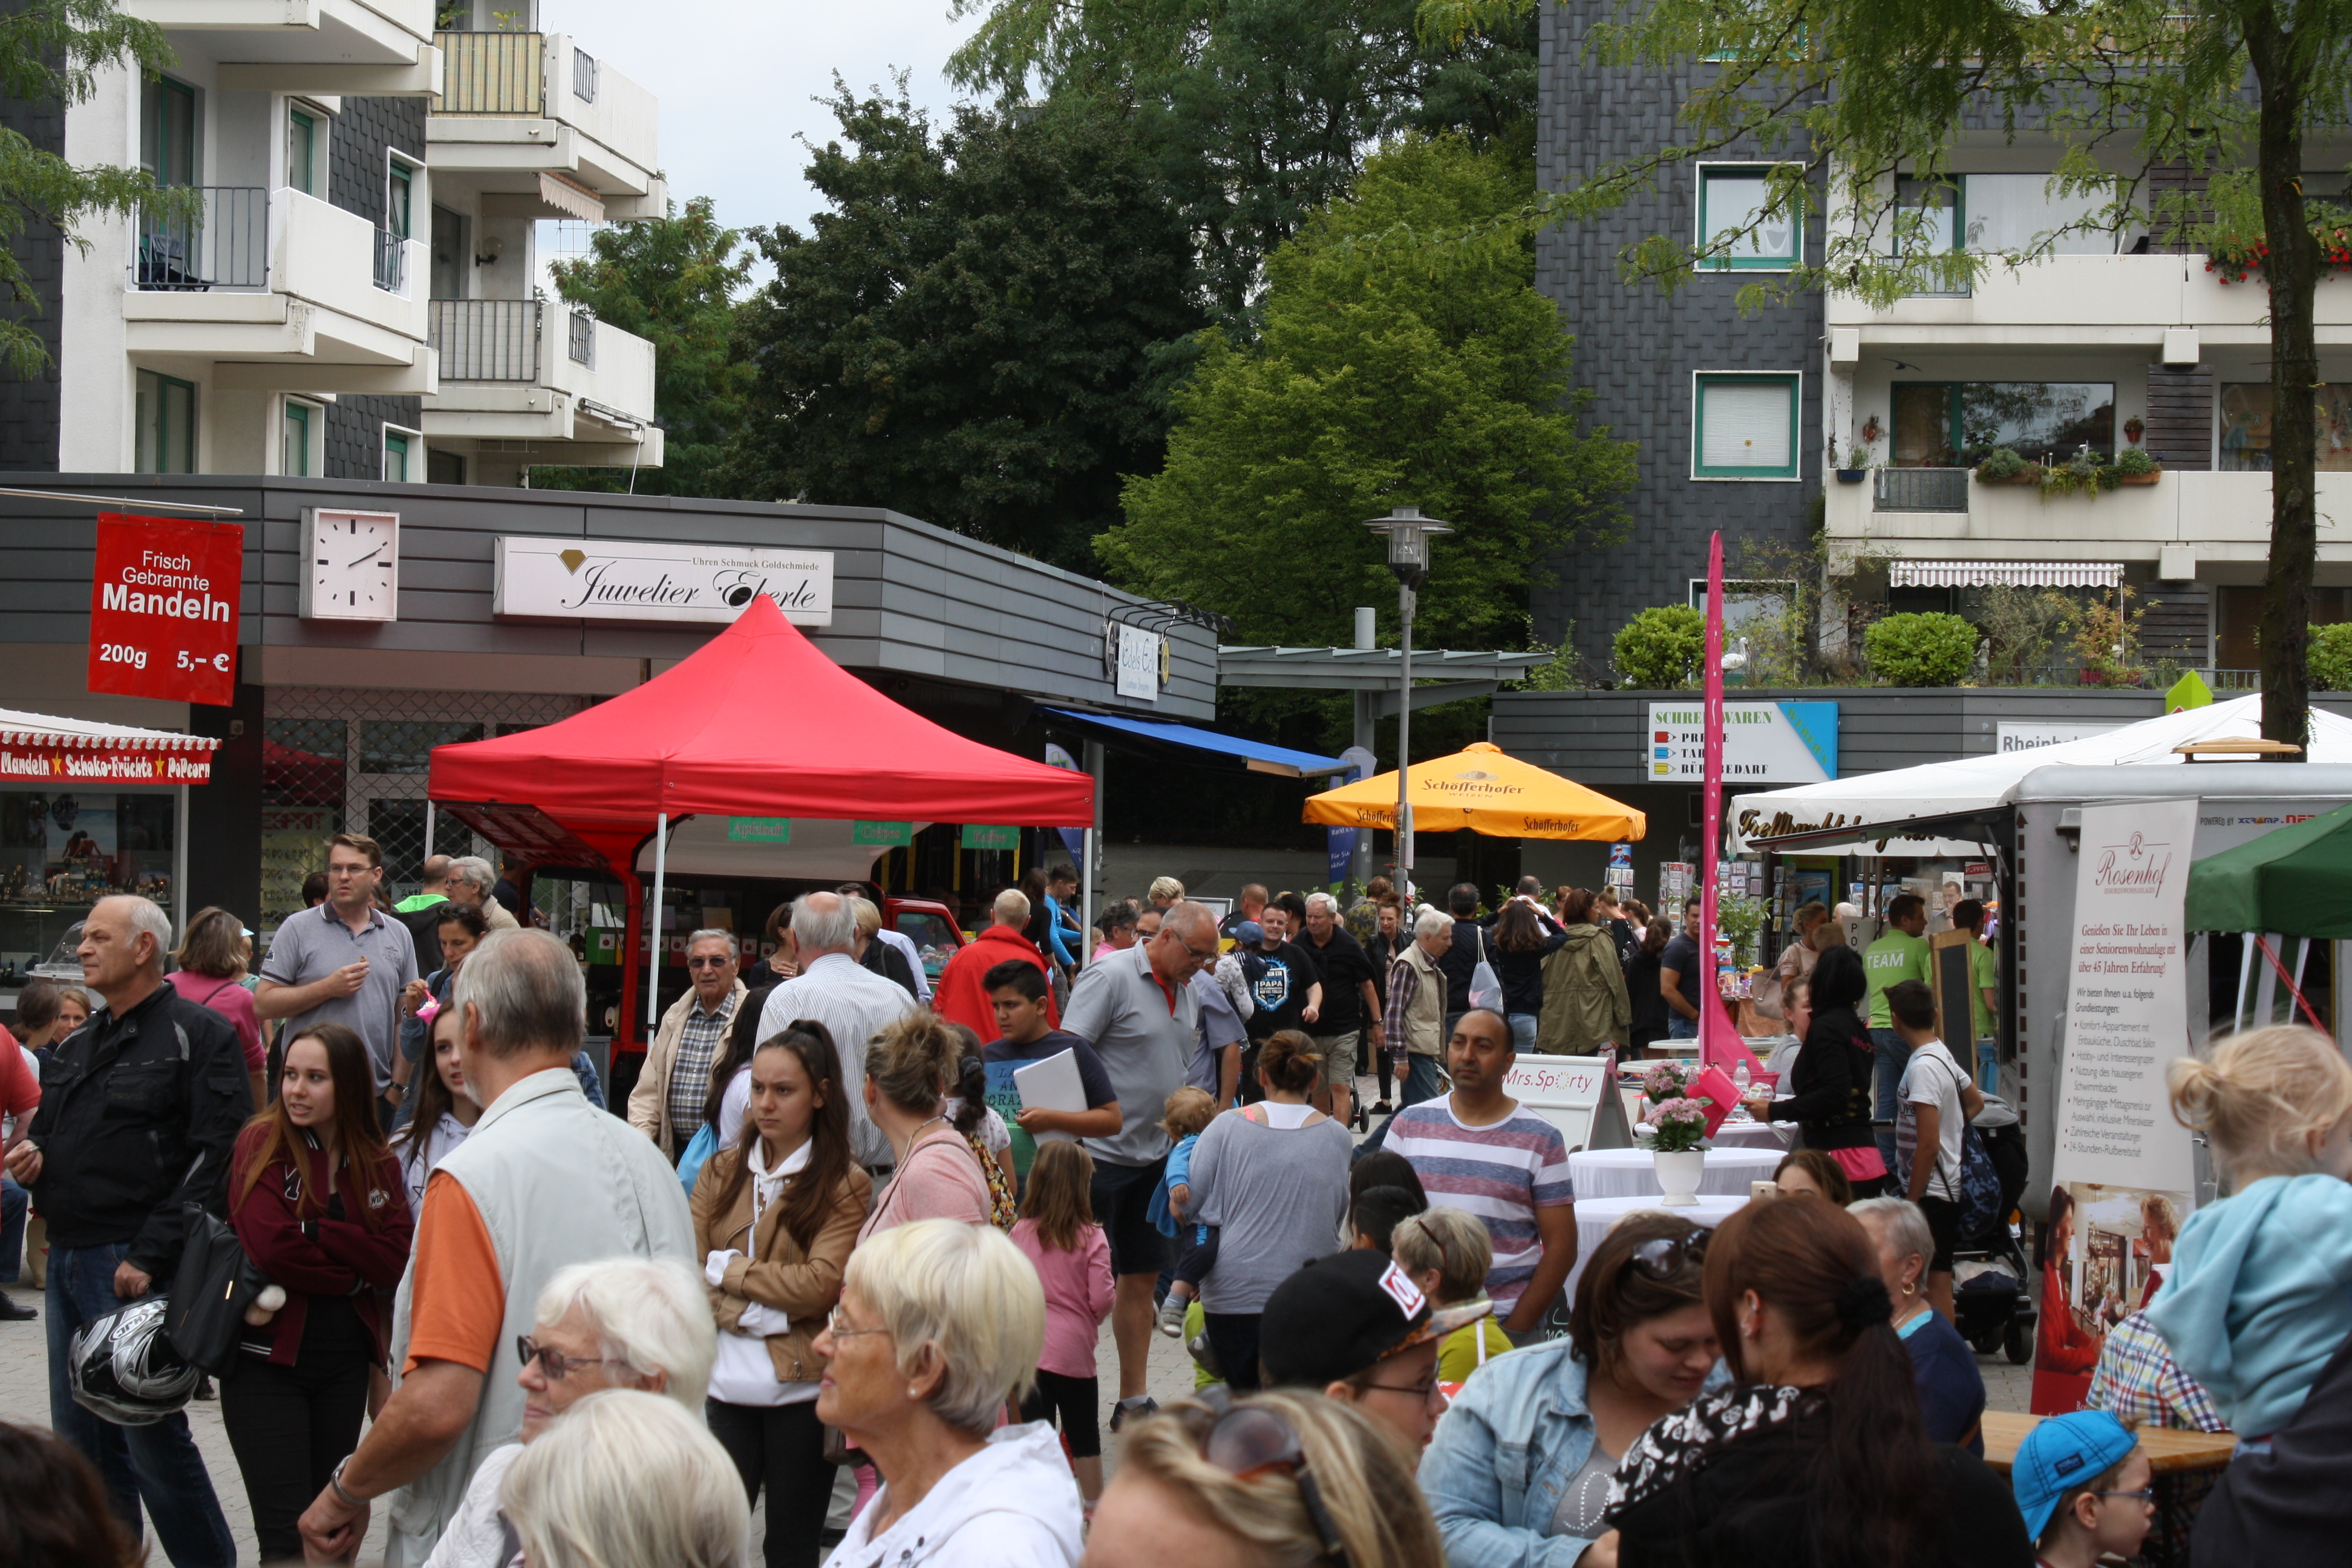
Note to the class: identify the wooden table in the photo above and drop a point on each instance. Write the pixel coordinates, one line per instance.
(2169, 1451)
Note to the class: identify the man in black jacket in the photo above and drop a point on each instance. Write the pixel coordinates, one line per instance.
(140, 1109)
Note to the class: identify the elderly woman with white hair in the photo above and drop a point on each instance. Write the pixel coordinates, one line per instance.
(1417, 1003)
(626, 1479)
(1951, 1388)
(619, 1322)
(940, 1322)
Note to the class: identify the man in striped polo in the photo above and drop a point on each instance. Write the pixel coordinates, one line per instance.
(1478, 1151)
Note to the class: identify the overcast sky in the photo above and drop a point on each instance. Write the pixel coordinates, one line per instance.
(737, 80)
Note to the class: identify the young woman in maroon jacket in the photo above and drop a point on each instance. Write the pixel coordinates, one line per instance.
(316, 1199)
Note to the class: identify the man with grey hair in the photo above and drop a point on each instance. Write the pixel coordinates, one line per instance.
(962, 995)
(470, 881)
(139, 1111)
(850, 1000)
(1351, 1013)
(544, 1181)
(675, 1085)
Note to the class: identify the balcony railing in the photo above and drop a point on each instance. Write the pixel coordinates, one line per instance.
(226, 245)
(1923, 490)
(391, 262)
(487, 339)
(492, 73)
(583, 75)
(582, 343)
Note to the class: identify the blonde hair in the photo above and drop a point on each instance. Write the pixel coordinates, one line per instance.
(1189, 1111)
(913, 1060)
(2259, 1095)
(1451, 1241)
(962, 1293)
(1367, 1483)
(870, 917)
(1167, 888)
(624, 1478)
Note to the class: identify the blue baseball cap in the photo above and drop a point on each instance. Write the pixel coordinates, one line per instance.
(1249, 933)
(2061, 1454)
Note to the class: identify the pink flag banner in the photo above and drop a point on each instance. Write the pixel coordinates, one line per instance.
(1719, 1044)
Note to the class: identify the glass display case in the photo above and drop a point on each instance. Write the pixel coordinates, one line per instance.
(62, 849)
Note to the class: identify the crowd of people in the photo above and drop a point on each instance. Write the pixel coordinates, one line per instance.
(817, 1263)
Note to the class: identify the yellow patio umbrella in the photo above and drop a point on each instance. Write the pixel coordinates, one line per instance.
(1486, 790)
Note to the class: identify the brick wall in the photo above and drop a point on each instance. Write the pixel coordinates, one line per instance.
(28, 406)
(1636, 349)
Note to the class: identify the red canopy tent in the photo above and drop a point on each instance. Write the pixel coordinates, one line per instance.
(756, 722)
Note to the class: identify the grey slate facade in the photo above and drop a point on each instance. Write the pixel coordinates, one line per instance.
(367, 128)
(1637, 349)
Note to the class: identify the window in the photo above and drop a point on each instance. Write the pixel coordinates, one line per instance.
(1943, 424)
(397, 446)
(166, 421)
(167, 132)
(400, 187)
(302, 139)
(2246, 426)
(1730, 198)
(295, 430)
(443, 468)
(1746, 427)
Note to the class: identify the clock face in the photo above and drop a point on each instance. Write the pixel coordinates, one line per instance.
(352, 566)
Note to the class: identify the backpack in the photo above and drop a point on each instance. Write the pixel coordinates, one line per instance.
(1980, 1183)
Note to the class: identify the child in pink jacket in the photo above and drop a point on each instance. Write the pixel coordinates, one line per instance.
(1058, 1231)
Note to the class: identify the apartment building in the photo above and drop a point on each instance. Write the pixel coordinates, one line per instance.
(338, 306)
(1748, 423)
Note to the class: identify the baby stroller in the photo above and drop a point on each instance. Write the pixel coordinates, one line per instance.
(1992, 1303)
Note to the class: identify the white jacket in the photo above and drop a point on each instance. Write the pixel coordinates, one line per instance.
(1014, 1504)
(476, 1537)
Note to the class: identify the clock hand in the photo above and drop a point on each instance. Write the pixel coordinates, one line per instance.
(362, 560)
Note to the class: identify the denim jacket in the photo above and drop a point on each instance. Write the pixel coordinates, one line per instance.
(1503, 1455)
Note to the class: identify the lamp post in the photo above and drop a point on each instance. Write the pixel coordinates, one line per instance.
(1408, 533)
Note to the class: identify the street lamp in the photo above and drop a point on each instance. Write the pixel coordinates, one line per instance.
(1409, 533)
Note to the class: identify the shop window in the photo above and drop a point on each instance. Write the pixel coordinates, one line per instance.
(165, 419)
(1730, 198)
(1746, 427)
(63, 850)
(2246, 426)
(405, 745)
(1941, 423)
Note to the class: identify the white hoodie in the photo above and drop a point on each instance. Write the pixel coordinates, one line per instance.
(1014, 1504)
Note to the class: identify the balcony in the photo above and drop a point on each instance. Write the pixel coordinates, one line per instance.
(544, 379)
(2118, 300)
(513, 105)
(1922, 489)
(300, 295)
(366, 48)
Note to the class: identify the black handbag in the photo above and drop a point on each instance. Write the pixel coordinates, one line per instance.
(215, 1283)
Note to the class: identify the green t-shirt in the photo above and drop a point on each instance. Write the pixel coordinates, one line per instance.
(415, 902)
(1983, 975)
(1891, 960)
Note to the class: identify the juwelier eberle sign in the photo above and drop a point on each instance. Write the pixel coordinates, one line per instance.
(626, 580)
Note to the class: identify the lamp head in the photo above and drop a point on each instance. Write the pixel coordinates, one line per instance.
(1409, 533)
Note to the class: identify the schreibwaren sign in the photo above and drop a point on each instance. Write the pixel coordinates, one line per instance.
(629, 580)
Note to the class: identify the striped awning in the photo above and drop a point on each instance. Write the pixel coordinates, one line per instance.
(2005, 574)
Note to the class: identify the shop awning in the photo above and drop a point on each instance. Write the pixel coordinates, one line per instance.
(2295, 880)
(39, 746)
(1487, 791)
(2005, 574)
(1256, 756)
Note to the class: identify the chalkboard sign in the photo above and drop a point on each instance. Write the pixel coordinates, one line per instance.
(1576, 1094)
(1947, 966)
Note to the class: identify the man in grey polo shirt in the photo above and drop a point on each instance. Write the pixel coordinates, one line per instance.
(1137, 1008)
(344, 963)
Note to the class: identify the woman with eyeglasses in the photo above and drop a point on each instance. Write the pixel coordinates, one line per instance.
(774, 1219)
(940, 1322)
(623, 1323)
(1816, 1457)
(1519, 1472)
(1274, 1480)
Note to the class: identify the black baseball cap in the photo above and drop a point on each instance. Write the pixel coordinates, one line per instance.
(1342, 1313)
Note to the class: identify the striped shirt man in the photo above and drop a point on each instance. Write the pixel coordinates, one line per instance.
(1503, 1172)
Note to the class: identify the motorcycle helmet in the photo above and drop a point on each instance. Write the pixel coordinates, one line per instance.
(123, 1368)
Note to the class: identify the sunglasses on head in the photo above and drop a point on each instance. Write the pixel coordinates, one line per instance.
(1661, 1256)
(1249, 1440)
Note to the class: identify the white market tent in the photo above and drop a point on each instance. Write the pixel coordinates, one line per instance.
(1978, 784)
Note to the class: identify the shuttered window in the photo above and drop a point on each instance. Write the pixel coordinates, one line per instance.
(1747, 427)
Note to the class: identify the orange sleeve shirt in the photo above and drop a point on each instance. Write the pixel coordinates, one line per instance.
(458, 1304)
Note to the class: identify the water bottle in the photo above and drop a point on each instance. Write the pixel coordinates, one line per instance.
(1739, 1080)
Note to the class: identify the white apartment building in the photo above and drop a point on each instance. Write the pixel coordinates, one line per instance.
(312, 320)
(2110, 342)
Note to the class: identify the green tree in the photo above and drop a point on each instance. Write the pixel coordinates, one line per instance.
(50, 53)
(1255, 112)
(1661, 648)
(672, 281)
(1856, 93)
(1379, 378)
(980, 334)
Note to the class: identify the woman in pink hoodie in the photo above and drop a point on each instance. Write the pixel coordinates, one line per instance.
(1058, 1233)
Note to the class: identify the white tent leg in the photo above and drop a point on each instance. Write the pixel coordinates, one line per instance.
(654, 930)
(2245, 979)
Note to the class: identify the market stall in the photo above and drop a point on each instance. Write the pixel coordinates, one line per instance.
(757, 728)
(2286, 898)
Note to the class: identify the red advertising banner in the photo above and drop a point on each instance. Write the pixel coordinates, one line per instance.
(163, 608)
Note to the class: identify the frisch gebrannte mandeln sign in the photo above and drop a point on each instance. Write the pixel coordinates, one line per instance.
(626, 580)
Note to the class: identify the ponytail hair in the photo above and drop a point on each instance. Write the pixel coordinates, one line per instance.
(2260, 1095)
(1288, 1061)
(1873, 1497)
(969, 1084)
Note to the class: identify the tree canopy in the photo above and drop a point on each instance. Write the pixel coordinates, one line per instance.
(978, 333)
(1380, 377)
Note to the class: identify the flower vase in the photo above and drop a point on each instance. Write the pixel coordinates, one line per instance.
(1680, 1171)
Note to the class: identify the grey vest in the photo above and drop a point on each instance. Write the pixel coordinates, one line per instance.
(557, 1182)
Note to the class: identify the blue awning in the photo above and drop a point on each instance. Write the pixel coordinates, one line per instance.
(1256, 756)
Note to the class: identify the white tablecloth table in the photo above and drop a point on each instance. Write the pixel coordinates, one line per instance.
(1780, 1136)
(1633, 1172)
(1595, 1215)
